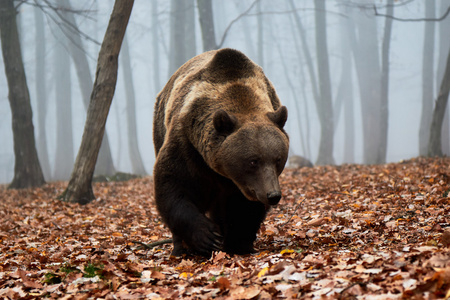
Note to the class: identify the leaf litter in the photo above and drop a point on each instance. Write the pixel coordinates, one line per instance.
(340, 232)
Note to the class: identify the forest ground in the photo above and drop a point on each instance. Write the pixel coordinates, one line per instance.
(340, 232)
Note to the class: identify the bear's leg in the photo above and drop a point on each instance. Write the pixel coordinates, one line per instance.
(178, 248)
(188, 225)
(241, 223)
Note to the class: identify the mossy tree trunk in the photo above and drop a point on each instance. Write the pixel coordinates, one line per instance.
(27, 170)
(79, 189)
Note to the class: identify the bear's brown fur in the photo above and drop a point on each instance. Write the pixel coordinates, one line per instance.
(220, 147)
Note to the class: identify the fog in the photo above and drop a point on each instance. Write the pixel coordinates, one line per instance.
(268, 34)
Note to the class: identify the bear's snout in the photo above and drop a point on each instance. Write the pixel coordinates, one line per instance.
(274, 197)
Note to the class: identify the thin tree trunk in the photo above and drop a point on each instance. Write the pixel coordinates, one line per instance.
(207, 24)
(384, 98)
(260, 35)
(133, 148)
(189, 30)
(307, 126)
(308, 58)
(27, 170)
(444, 45)
(105, 165)
(155, 41)
(80, 185)
(365, 52)
(435, 143)
(346, 91)
(64, 156)
(326, 112)
(41, 93)
(427, 79)
(177, 48)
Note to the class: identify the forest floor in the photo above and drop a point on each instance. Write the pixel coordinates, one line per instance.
(340, 232)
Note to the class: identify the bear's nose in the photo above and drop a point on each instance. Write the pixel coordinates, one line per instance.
(274, 197)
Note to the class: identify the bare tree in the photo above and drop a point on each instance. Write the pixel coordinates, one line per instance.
(427, 78)
(325, 110)
(64, 156)
(207, 24)
(344, 97)
(177, 48)
(104, 165)
(367, 61)
(444, 45)
(79, 189)
(27, 170)
(41, 92)
(135, 155)
(435, 143)
(384, 97)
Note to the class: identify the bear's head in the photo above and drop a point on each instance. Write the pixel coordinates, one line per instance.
(253, 153)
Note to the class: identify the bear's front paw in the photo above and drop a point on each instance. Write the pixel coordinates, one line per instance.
(206, 239)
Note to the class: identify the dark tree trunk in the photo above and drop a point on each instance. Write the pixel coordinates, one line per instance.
(207, 24)
(435, 143)
(27, 170)
(79, 189)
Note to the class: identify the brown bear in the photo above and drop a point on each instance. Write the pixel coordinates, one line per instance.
(220, 148)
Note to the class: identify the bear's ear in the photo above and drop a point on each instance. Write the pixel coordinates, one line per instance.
(223, 122)
(279, 116)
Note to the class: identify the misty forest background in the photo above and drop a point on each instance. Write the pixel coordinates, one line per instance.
(360, 89)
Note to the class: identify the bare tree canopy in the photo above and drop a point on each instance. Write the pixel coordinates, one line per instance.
(79, 189)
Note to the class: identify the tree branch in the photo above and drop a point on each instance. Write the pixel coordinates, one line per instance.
(234, 21)
(413, 20)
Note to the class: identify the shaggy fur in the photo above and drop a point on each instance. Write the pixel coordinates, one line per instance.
(220, 147)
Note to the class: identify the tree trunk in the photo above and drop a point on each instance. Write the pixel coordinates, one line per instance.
(189, 30)
(308, 58)
(64, 156)
(384, 98)
(435, 143)
(205, 13)
(27, 170)
(427, 79)
(104, 165)
(41, 93)
(79, 189)
(325, 156)
(444, 45)
(346, 92)
(133, 148)
(306, 122)
(177, 48)
(365, 52)
(155, 41)
(260, 35)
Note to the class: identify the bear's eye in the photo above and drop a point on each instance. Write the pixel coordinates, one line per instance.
(253, 163)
